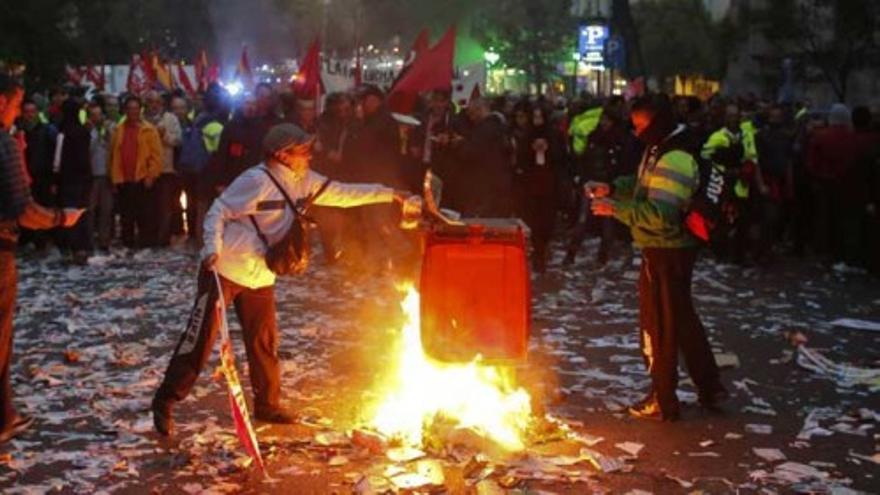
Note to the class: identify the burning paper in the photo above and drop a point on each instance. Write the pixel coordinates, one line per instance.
(422, 391)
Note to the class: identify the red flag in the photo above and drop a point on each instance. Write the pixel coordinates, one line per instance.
(243, 72)
(306, 83)
(147, 65)
(74, 74)
(95, 75)
(184, 80)
(420, 45)
(138, 76)
(202, 71)
(358, 69)
(431, 70)
(240, 417)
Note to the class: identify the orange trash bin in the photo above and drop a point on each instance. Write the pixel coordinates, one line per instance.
(475, 291)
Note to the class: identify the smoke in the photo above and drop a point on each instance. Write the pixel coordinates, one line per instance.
(268, 29)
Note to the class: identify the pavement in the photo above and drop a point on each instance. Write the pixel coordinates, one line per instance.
(91, 344)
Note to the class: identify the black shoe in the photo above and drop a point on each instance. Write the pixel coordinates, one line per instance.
(712, 401)
(650, 409)
(162, 420)
(275, 415)
(20, 425)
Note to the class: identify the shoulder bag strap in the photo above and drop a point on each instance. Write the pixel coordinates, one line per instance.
(260, 233)
(314, 197)
(281, 189)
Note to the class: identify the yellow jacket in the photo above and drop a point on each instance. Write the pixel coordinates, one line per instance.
(149, 159)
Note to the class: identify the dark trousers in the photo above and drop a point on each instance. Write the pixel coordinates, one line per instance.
(190, 183)
(76, 195)
(168, 211)
(136, 215)
(100, 214)
(539, 213)
(255, 309)
(669, 324)
(8, 288)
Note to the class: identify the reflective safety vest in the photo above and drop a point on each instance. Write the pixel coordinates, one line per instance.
(652, 204)
(581, 127)
(725, 139)
(211, 135)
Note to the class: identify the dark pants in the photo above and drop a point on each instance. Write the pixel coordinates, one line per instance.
(137, 216)
(168, 211)
(100, 214)
(76, 195)
(190, 183)
(255, 309)
(539, 213)
(669, 324)
(8, 288)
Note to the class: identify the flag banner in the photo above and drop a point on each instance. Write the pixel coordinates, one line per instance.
(243, 426)
(307, 82)
(183, 80)
(243, 72)
(138, 79)
(74, 74)
(433, 69)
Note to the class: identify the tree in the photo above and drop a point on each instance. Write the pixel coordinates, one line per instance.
(534, 36)
(47, 34)
(831, 37)
(677, 37)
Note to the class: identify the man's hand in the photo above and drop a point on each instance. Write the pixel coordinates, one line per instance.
(209, 262)
(603, 207)
(71, 217)
(597, 190)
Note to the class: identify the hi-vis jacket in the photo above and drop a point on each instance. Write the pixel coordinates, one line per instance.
(723, 139)
(652, 204)
(229, 233)
(581, 127)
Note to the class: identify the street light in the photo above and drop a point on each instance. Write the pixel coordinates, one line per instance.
(491, 57)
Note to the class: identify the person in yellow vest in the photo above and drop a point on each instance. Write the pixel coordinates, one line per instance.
(732, 149)
(652, 204)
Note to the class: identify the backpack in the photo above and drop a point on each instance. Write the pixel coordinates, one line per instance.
(713, 208)
(194, 155)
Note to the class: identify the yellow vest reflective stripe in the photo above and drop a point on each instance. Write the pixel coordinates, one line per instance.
(673, 179)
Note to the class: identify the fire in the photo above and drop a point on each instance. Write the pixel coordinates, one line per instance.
(475, 395)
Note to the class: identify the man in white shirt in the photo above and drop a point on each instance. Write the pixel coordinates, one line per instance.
(233, 248)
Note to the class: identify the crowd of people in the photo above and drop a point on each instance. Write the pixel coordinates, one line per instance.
(146, 171)
(806, 179)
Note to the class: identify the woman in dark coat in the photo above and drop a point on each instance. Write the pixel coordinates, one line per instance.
(74, 178)
(541, 161)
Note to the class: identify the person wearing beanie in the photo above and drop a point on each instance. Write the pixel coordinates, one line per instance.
(250, 215)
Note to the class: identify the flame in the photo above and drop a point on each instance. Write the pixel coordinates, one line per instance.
(183, 200)
(478, 396)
